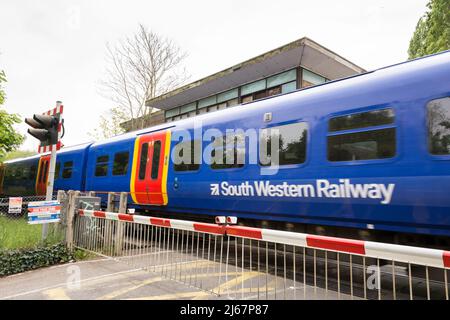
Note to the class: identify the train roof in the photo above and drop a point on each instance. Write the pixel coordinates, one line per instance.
(76, 147)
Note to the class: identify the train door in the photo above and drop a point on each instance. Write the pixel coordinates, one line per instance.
(2, 175)
(150, 164)
(42, 176)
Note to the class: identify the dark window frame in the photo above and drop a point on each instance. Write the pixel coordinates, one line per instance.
(224, 166)
(142, 170)
(124, 167)
(307, 145)
(67, 171)
(434, 156)
(156, 160)
(101, 163)
(187, 167)
(393, 125)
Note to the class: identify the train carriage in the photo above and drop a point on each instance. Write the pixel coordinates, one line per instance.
(367, 153)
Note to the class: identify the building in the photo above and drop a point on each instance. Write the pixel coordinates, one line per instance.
(294, 66)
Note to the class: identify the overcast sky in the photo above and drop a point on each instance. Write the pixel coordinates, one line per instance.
(55, 49)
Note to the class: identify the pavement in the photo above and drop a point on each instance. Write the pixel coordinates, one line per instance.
(109, 279)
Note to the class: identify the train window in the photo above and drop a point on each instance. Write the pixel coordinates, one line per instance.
(232, 149)
(439, 126)
(45, 175)
(362, 120)
(365, 145)
(101, 167)
(67, 170)
(57, 169)
(120, 166)
(188, 164)
(143, 162)
(292, 140)
(33, 170)
(155, 160)
(26, 173)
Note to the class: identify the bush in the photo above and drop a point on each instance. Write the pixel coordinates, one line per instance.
(16, 261)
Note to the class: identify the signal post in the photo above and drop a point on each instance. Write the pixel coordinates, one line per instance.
(47, 129)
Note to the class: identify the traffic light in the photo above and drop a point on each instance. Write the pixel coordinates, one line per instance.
(45, 128)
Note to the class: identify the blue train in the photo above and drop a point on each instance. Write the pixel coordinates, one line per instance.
(367, 156)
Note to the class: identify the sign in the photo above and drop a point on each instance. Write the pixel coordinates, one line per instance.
(15, 205)
(40, 212)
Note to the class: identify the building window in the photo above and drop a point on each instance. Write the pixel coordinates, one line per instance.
(189, 164)
(289, 87)
(253, 87)
(120, 166)
(282, 78)
(143, 161)
(292, 139)
(101, 167)
(439, 126)
(366, 142)
(67, 170)
(207, 102)
(155, 160)
(311, 79)
(232, 151)
(228, 95)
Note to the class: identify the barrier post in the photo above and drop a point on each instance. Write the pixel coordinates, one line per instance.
(62, 198)
(120, 225)
(70, 217)
(110, 203)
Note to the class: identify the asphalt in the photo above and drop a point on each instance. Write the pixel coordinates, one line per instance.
(108, 279)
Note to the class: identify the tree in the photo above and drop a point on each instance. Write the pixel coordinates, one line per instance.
(9, 138)
(109, 124)
(432, 32)
(140, 67)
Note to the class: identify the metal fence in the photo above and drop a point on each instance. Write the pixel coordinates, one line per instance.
(247, 263)
(16, 233)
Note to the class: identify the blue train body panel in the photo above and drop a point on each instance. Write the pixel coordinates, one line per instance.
(71, 168)
(104, 182)
(419, 202)
(20, 177)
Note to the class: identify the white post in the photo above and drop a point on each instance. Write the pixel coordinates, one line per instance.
(51, 178)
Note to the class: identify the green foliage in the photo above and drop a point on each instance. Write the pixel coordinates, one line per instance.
(15, 261)
(17, 233)
(16, 154)
(9, 138)
(432, 32)
(109, 125)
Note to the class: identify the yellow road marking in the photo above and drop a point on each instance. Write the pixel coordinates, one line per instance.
(123, 291)
(56, 294)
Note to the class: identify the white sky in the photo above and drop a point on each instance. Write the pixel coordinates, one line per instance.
(55, 49)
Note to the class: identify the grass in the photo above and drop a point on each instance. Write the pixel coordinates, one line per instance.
(16, 233)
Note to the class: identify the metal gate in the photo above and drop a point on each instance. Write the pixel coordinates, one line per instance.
(248, 263)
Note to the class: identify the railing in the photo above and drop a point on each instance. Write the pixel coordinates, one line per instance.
(249, 263)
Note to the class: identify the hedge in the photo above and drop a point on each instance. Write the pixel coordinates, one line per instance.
(16, 261)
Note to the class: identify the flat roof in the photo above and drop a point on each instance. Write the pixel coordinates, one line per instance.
(302, 52)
